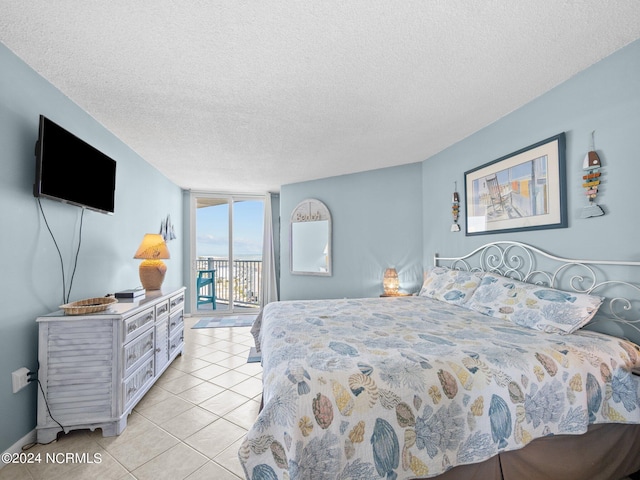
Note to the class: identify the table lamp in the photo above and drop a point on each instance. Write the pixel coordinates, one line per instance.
(390, 282)
(152, 250)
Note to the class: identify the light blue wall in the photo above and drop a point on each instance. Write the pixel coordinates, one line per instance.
(604, 98)
(376, 224)
(31, 274)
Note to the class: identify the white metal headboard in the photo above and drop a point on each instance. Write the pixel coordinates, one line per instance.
(610, 279)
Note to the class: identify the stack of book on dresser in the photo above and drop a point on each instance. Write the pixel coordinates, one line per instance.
(131, 294)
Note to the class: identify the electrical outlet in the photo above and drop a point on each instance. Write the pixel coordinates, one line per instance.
(20, 379)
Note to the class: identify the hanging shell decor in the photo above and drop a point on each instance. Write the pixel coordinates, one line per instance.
(455, 209)
(592, 176)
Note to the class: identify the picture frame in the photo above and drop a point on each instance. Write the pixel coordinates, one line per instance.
(525, 190)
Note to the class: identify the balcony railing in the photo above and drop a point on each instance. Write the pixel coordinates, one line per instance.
(246, 275)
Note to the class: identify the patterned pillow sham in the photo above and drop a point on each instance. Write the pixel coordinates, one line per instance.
(533, 306)
(451, 286)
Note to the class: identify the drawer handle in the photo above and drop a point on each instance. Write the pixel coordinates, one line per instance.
(148, 344)
(158, 350)
(173, 324)
(149, 373)
(173, 345)
(132, 356)
(131, 390)
(132, 327)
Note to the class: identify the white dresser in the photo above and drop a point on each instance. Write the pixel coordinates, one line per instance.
(95, 368)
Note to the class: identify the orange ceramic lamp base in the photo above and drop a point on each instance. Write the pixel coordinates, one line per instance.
(152, 274)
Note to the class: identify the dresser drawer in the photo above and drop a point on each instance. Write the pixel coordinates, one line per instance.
(162, 308)
(133, 326)
(176, 302)
(137, 382)
(176, 342)
(176, 322)
(136, 350)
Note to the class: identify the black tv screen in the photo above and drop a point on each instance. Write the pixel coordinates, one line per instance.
(70, 170)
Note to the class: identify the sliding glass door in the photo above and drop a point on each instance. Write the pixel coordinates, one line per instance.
(226, 253)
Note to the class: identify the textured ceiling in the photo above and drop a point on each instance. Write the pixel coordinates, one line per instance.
(245, 96)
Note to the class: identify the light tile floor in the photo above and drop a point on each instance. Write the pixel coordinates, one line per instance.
(188, 426)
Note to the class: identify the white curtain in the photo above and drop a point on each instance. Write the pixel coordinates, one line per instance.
(269, 285)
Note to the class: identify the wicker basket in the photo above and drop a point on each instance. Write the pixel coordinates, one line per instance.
(88, 305)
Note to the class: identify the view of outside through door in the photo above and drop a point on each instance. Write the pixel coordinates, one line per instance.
(228, 256)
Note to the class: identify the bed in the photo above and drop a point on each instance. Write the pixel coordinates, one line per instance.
(510, 363)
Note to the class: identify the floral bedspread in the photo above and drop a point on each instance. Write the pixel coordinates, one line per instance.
(410, 387)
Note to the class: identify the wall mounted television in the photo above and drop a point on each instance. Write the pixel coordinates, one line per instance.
(70, 170)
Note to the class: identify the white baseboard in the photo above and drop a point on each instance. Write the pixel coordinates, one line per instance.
(17, 447)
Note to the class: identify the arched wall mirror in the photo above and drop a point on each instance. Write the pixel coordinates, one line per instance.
(310, 239)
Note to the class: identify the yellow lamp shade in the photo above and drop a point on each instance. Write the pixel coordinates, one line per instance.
(152, 247)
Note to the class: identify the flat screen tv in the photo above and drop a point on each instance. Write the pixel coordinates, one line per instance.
(71, 171)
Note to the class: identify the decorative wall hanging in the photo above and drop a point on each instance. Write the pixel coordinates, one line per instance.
(525, 190)
(455, 208)
(591, 166)
(166, 229)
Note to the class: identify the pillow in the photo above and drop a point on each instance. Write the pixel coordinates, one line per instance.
(533, 306)
(451, 286)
